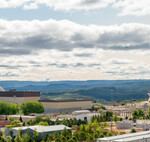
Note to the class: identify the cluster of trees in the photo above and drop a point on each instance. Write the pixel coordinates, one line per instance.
(138, 114)
(46, 121)
(6, 109)
(103, 117)
(26, 108)
(98, 108)
(89, 132)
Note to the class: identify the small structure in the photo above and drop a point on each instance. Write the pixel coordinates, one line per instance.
(25, 118)
(140, 124)
(84, 115)
(42, 130)
(124, 124)
(3, 121)
(144, 124)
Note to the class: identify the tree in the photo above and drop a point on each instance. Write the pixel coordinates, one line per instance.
(133, 131)
(109, 115)
(135, 114)
(18, 138)
(31, 107)
(6, 109)
(82, 136)
(10, 132)
(8, 139)
(122, 103)
(116, 118)
(43, 123)
(141, 113)
(20, 119)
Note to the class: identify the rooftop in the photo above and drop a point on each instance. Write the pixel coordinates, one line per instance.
(133, 138)
(39, 128)
(65, 100)
(125, 136)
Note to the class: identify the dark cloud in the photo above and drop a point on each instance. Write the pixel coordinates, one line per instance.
(83, 54)
(11, 67)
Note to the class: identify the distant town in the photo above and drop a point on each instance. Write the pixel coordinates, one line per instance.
(25, 117)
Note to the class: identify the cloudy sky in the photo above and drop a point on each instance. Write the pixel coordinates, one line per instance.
(47, 40)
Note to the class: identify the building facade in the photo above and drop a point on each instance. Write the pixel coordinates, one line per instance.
(65, 105)
(18, 97)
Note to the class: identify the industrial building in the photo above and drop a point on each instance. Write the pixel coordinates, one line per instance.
(13, 96)
(133, 137)
(54, 106)
(42, 130)
(65, 105)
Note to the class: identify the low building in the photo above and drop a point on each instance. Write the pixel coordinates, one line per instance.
(143, 124)
(65, 105)
(25, 118)
(140, 124)
(124, 124)
(4, 123)
(42, 130)
(84, 115)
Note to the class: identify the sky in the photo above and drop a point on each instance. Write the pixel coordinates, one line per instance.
(53, 40)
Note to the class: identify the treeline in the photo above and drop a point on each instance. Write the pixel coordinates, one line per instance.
(26, 108)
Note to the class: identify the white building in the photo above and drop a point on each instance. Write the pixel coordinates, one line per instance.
(84, 115)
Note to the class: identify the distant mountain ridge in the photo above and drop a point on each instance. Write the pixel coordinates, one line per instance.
(99, 89)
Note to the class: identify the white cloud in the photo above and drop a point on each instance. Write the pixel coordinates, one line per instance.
(133, 7)
(36, 50)
(126, 7)
(27, 37)
(56, 4)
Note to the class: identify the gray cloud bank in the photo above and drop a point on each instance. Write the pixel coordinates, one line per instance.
(25, 37)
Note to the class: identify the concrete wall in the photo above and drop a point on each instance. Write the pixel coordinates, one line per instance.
(68, 105)
(18, 100)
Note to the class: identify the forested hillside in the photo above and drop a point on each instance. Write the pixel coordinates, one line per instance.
(96, 89)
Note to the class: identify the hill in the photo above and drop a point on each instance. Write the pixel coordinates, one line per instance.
(96, 89)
